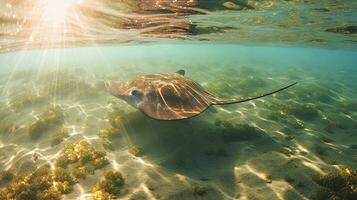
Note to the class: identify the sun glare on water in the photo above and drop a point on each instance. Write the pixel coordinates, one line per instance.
(56, 11)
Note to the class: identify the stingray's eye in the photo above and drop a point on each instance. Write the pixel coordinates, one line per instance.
(135, 93)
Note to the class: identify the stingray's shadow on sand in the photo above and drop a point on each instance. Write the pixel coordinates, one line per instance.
(198, 148)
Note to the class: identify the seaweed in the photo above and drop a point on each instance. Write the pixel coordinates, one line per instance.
(81, 158)
(82, 171)
(303, 111)
(199, 190)
(135, 150)
(59, 136)
(110, 187)
(276, 115)
(115, 118)
(107, 145)
(109, 133)
(100, 195)
(296, 123)
(337, 185)
(50, 118)
(268, 179)
(44, 183)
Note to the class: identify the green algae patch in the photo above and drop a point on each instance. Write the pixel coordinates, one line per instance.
(107, 145)
(342, 185)
(59, 136)
(110, 187)
(82, 158)
(50, 118)
(45, 183)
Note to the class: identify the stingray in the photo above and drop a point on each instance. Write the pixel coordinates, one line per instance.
(171, 96)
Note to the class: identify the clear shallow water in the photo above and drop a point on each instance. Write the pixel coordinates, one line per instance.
(62, 135)
(268, 148)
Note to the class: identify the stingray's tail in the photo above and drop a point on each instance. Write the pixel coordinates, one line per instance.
(221, 101)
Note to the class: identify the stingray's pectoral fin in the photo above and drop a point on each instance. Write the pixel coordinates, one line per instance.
(222, 101)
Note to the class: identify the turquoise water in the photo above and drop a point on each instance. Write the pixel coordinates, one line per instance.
(64, 136)
(268, 148)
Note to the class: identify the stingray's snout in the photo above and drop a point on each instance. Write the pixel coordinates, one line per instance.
(113, 87)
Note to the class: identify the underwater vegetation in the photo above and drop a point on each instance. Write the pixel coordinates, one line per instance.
(109, 133)
(135, 150)
(348, 106)
(59, 136)
(304, 111)
(52, 117)
(110, 187)
(116, 119)
(82, 158)
(199, 190)
(337, 186)
(44, 183)
(338, 121)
